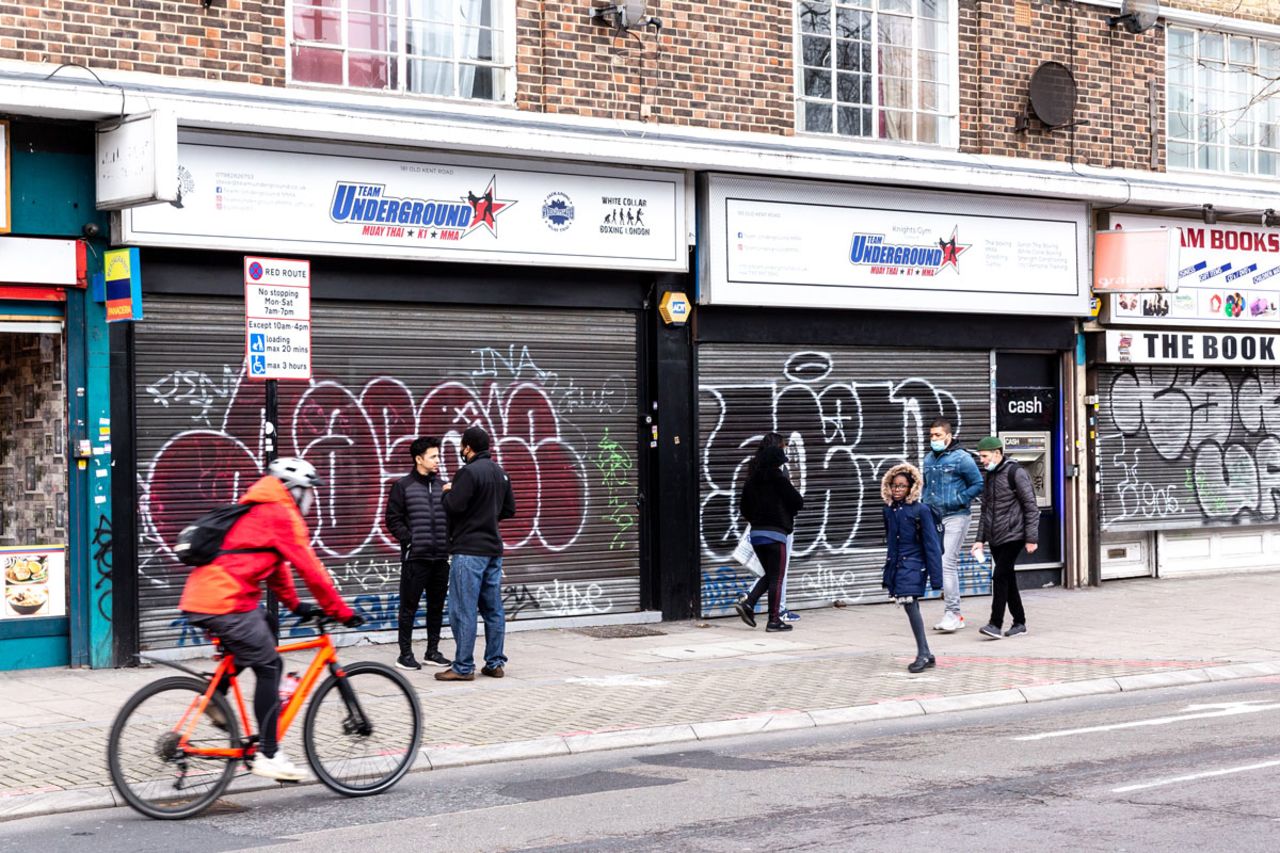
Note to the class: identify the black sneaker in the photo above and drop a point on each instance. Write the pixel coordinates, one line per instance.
(990, 631)
(407, 662)
(434, 656)
(1015, 629)
(921, 664)
(778, 626)
(745, 612)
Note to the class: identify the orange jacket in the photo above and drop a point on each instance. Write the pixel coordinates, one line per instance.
(233, 582)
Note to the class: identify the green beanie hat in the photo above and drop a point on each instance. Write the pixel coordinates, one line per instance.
(991, 442)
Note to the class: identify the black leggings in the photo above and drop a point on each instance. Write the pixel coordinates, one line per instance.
(917, 628)
(250, 639)
(773, 557)
(266, 703)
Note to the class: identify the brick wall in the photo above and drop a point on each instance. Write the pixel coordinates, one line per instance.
(240, 41)
(1267, 11)
(1002, 44)
(716, 63)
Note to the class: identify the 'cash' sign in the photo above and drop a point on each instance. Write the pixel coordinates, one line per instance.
(1125, 346)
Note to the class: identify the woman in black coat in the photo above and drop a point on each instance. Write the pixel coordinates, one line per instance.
(769, 504)
(915, 550)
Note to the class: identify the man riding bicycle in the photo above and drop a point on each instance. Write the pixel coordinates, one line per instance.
(222, 597)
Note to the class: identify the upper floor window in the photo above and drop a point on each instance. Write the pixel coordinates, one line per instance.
(451, 48)
(1223, 102)
(878, 69)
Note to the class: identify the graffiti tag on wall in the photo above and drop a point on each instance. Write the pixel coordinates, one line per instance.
(843, 431)
(358, 436)
(1196, 445)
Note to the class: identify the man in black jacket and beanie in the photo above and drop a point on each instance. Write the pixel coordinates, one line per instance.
(1010, 524)
(478, 498)
(416, 517)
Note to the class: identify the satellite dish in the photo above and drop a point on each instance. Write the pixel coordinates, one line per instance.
(1053, 95)
(1137, 16)
(625, 14)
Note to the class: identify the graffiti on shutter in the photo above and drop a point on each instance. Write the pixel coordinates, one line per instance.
(554, 390)
(847, 416)
(1188, 447)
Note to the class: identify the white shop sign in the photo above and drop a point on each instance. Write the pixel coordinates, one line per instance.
(1152, 346)
(1228, 276)
(331, 200)
(277, 318)
(137, 161)
(830, 245)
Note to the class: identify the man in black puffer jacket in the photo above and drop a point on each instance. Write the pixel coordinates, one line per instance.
(416, 517)
(1010, 523)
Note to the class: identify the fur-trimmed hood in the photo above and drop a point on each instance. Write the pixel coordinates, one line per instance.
(917, 482)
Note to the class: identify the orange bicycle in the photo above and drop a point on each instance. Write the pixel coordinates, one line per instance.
(175, 745)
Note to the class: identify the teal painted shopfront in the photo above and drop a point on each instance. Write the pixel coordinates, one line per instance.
(55, 427)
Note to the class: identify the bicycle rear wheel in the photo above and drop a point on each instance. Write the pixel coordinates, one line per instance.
(361, 741)
(153, 774)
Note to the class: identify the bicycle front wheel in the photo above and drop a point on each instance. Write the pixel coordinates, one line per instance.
(362, 731)
(149, 766)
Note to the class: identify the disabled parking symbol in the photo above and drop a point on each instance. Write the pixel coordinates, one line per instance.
(257, 365)
(258, 343)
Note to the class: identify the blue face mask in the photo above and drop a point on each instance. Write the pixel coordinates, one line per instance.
(991, 466)
(938, 446)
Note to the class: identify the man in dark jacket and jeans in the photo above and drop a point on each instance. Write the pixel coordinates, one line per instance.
(416, 517)
(478, 498)
(1010, 523)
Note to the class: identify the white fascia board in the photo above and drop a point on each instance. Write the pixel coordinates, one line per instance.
(472, 128)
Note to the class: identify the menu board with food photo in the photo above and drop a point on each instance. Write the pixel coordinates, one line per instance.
(34, 581)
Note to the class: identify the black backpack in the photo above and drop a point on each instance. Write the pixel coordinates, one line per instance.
(201, 543)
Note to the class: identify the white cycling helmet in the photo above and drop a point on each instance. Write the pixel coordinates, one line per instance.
(295, 473)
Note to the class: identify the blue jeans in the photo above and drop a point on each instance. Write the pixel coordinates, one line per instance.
(955, 528)
(475, 583)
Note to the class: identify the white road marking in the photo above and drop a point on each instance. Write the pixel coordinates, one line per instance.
(1191, 777)
(624, 680)
(1226, 709)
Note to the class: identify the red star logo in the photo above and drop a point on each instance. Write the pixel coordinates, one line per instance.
(486, 207)
(951, 251)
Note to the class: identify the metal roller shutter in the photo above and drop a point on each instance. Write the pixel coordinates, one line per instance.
(555, 389)
(850, 414)
(1184, 448)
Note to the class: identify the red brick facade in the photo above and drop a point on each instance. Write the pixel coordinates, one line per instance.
(241, 41)
(1002, 43)
(723, 64)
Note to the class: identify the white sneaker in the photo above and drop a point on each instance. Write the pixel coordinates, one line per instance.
(277, 767)
(950, 623)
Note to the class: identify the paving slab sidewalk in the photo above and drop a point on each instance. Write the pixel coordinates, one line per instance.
(572, 690)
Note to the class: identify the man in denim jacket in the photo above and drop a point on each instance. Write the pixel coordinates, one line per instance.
(951, 482)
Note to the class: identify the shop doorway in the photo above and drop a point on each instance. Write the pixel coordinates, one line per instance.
(33, 486)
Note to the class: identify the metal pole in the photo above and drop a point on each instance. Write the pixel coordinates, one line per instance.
(270, 451)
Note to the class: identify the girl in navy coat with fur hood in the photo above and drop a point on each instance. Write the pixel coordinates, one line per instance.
(915, 551)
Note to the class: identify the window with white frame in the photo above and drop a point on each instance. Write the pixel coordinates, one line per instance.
(877, 69)
(450, 48)
(1223, 102)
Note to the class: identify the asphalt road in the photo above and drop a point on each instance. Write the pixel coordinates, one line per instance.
(1188, 768)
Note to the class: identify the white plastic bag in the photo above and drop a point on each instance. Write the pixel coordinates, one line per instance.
(746, 555)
